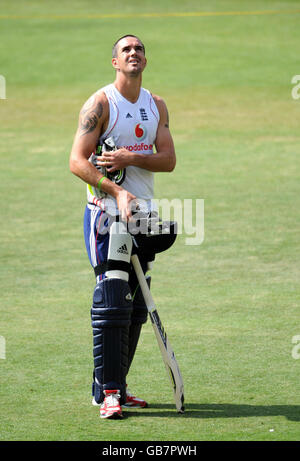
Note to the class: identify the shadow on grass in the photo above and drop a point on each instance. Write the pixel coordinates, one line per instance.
(205, 411)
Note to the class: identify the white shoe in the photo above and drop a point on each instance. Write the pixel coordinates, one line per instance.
(134, 402)
(94, 403)
(110, 407)
(131, 401)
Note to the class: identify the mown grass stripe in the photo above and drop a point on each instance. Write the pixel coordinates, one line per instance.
(150, 15)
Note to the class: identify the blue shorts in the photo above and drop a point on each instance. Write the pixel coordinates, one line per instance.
(96, 235)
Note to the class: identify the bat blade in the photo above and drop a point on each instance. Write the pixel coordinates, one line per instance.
(162, 339)
(169, 360)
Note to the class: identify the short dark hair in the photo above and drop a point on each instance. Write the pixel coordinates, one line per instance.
(115, 45)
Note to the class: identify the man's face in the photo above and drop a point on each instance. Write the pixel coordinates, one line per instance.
(130, 56)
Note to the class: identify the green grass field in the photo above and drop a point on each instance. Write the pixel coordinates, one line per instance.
(231, 305)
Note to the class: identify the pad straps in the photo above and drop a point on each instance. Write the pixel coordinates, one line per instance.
(111, 265)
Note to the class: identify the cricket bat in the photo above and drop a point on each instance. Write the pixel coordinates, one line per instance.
(162, 339)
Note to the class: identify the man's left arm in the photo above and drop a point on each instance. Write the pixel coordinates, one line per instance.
(163, 160)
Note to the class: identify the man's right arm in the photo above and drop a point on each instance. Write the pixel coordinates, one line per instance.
(90, 123)
(92, 120)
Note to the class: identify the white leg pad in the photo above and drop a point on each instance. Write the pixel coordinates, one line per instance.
(119, 249)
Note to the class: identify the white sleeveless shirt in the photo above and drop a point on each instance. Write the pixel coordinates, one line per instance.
(133, 126)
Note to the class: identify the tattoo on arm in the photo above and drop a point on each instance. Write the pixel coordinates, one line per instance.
(89, 116)
(167, 124)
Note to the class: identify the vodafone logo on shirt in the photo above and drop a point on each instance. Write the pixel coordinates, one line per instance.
(138, 147)
(140, 132)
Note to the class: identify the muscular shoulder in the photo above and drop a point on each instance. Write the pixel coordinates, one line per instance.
(162, 109)
(97, 103)
(161, 105)
(94, 112)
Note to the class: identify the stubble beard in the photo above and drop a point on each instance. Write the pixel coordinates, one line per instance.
(136, 73)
